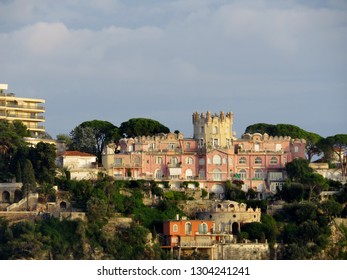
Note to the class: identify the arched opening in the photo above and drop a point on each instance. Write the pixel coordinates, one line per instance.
(189, 174)
(62, 205)
(188, 228)
(17, 196)
(159, 174)
(235, 228)
(218, 190)
(6, 197)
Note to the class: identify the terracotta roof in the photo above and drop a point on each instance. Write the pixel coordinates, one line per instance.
(76, 154)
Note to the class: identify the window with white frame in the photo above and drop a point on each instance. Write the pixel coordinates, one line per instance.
(173, 161)
(296, 149)
(188, 228)
(215, 130)
(175, 228)
(217, 175)
(256, 147)
(189, 160)
(243, 174)
(188, 146)
(258, 174)
(158, 160)
(278, 147)
(242, 160)
(274, 161)
(217, 159)
(159, 174)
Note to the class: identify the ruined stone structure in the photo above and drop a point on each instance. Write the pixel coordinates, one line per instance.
(229, 216)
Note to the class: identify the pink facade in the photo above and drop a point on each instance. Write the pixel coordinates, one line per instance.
(256, 159)
(213, 156)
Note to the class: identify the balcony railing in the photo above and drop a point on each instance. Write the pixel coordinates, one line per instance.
(23, 116)
(30, 107)
(127, 165)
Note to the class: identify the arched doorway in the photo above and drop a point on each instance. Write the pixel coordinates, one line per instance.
(5, 197)
(62, 205)
(17, 196)
(235, 228)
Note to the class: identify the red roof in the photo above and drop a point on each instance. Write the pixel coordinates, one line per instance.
(76, 154)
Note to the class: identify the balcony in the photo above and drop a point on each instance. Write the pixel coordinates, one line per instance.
(25, 107)
(23, 116)
(126, 165)
(240, 152)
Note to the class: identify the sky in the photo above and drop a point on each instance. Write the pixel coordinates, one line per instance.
(267, 61)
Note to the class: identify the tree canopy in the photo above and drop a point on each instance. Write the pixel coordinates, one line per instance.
(92, 136)
(142, 127)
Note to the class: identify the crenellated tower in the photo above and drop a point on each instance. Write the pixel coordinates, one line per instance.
(213, 130)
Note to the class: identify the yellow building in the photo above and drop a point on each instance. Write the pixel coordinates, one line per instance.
(28, 110)
(214, 131)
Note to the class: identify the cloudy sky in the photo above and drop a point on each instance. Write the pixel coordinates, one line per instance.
(266, 61)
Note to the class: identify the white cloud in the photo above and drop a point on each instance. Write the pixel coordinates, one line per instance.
(213, 53)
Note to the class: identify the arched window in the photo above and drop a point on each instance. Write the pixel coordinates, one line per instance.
(175, 228)
(296, 149)
(158, 160)
(258, 160)
(159, 174)
(274, 160)
(243, 174)
(173, 161)
(217, 159)
(242, 160)
(189, 174)
(215, 130)
(6, 197)
(188, 228)
(189, 160)
(258, 174)
(203, 229)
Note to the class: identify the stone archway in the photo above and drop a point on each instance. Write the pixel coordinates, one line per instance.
(62, 205)
(17, 196)
(235, 228)
(6, 197)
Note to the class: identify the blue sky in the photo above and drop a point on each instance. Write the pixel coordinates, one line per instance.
(266, 61)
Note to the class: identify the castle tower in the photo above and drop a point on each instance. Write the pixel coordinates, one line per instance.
(213, 130)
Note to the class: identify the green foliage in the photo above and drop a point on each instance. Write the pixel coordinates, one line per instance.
(43, 159)
(298, 169)
(92, 136)
(331, 208)
(254, 230)
(186, 183)
(10, 141)
(292, 192)
(234, 192)
(312, 139)
(142, 127)
(175, 195)
(29, 182)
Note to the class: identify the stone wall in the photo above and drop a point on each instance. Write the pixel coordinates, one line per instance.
(242, 251)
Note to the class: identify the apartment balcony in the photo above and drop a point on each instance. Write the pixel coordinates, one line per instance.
(38, 108)
(36, 127)
(22, 117)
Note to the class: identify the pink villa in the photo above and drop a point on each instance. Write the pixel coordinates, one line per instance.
(213, 156)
